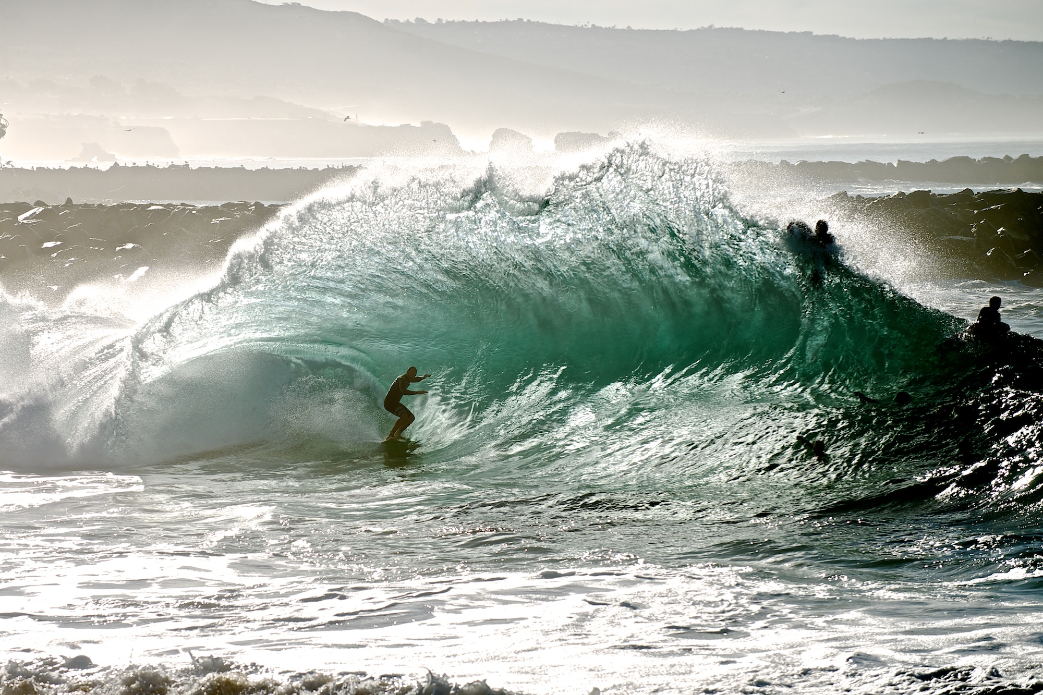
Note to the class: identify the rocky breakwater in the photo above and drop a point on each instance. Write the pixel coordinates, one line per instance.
(48, 250)
(991, 235)
(989, 171)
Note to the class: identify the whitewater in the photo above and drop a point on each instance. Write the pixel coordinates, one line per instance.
(607, 492)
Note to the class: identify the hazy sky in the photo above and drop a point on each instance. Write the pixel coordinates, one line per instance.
(998, 19)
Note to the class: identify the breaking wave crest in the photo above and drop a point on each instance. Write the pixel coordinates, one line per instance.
(624, 323)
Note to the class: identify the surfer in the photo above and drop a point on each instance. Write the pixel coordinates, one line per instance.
(989, 324)
(392, 402)
(817, 447)
(823, 239)
(818, 240)
(818, 246)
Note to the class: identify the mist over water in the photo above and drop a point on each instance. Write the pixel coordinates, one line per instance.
(607, 489)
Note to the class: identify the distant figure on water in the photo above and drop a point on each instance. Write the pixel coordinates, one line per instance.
(819, 239)
(989, 326)
(817, 447)
(393, 404)
(818, 245)
(822, 236)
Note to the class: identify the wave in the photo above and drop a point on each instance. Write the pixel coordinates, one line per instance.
(625, 323)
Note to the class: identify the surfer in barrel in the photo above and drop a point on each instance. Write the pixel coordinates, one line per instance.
(393, 402)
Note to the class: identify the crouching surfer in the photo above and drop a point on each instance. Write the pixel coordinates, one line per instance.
(393, 402)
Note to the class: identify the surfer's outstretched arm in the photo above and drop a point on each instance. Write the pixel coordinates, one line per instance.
(413, 380)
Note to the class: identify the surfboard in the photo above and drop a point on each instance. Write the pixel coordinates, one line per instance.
(399, 446)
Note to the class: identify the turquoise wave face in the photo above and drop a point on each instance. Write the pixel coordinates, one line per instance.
(626, 327)
(625, 268)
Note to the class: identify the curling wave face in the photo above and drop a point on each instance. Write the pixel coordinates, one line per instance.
(627, 324)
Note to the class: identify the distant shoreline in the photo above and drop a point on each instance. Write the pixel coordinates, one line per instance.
(962, 171)
(122, 183)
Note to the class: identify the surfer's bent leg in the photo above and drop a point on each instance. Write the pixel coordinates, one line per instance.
(405, 419)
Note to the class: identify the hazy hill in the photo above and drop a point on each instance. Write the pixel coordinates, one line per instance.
(100, 95)
(189, 78)
(921, 106)
(739, 61)
(104, 120)
(330, 60)
(818, 85)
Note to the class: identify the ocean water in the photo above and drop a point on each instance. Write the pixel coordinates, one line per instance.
(605, 488)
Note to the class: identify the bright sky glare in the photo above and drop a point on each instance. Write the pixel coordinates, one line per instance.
(997, 19)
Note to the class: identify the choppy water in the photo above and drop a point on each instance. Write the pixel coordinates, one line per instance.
(607, 490)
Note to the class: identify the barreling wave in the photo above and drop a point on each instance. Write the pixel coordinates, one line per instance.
(626, 325)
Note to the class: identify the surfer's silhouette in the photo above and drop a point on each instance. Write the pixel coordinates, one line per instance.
(819, 246)
(393, 404)
(818, 240)
(817, 447)
(989, 326)
(823, 239)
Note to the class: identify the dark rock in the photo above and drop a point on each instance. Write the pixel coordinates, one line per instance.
(1032, 278)
(577, 142)
(920, 199)
(79, 662)
(510, 141)
(990, 235)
